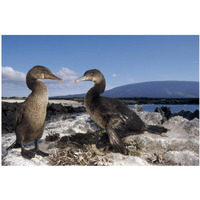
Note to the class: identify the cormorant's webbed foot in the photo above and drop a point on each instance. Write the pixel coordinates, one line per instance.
(14, 145)
(38, 151)
(41, 153)
(28, 154)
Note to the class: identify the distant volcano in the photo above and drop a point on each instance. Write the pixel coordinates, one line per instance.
(154, 89)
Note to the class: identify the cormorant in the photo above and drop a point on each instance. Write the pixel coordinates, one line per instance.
(30, 118)
(112, 114)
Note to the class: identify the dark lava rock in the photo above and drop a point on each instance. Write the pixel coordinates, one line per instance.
(52, 137)
(196, 114)
(165, 112)
(9, 110)
(188, 114)
(54, 109)
(8, 116)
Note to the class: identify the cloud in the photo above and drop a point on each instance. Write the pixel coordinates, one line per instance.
(14, 82)
(69, 76)
(12, 77)
(114, 75)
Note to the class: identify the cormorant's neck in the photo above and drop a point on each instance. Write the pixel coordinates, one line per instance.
(97, 89)
(36, 86)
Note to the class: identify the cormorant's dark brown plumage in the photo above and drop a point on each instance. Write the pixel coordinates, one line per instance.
(112, 114)
(30, 118)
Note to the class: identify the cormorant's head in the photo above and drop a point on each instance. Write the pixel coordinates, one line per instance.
(41, 72)
(91, 75)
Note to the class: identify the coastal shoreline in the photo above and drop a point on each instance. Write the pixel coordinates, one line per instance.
(70, 135)
(128, 101)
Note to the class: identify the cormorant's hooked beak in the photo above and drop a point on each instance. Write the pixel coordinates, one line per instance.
(83, 78)
(52, 76)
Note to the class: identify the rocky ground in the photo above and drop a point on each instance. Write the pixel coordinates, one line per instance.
(72, 138)
(55, 108)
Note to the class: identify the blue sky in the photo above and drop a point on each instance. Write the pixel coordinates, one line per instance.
(122, 60)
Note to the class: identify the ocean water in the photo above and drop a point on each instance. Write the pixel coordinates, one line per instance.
(173, 108)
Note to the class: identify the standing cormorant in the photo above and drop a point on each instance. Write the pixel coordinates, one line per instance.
(111, 114)
(30, 118)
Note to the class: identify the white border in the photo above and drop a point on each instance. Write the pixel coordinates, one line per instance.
(144, 17)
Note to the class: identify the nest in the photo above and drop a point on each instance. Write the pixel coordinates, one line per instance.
(86, 156)
(81, 149)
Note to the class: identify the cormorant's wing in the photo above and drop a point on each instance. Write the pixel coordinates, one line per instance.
(114, 106)
(122, 116)
(19, 114)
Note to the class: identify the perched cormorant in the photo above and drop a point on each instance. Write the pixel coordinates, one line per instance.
(111, 114)
(30, 118)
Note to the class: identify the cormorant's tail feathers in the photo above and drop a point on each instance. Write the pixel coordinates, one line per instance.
(14, 145)
(115, 141)
(156, 129)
